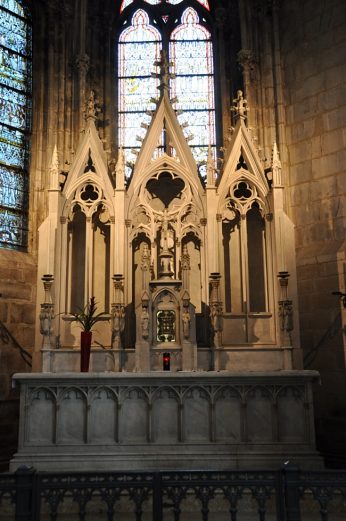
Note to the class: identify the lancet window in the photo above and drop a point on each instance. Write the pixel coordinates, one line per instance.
(185, 34)
(15, 92)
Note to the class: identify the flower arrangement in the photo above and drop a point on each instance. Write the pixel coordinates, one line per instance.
(87, 317)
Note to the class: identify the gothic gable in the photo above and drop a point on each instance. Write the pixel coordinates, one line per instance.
(89, 165)
(243, 162)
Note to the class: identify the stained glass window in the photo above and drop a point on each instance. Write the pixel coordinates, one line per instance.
(188, 43)
(15, 86)
(191, 54)
(125, 3)
(139, 48)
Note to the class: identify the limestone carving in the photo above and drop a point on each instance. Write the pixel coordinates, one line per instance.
(186, 323)
(240, 105)
(118, 324)
(145, 322)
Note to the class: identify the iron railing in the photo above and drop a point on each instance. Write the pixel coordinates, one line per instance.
(27, 495)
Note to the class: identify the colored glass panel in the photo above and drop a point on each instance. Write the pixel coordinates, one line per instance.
(139, 47)
(15, 86)
(191, 54)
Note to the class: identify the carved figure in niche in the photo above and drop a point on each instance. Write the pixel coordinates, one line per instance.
(166, 245)
(286, 318)
(186, 323)
(240, 106)
(167, 241)
(145, 322)
(216, 317)
(118, 325)
(46, 324)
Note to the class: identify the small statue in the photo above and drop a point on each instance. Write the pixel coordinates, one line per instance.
(46, 325)
(118, 325)
(216, 318)
(145, 322)
(186, 323)
(240, 106)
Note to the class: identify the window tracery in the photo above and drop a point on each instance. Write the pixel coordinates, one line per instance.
(126, 3)
(15, 90)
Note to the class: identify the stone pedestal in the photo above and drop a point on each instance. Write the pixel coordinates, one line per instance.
(163, 420)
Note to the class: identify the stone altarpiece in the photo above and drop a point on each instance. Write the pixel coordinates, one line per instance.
(201, 269)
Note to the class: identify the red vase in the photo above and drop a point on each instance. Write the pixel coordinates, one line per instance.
(85, 343)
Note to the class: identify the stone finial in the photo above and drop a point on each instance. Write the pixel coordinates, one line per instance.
(164, 75)
(120, 169)
(276, 166)
(211, 170)
(54, 170)
(91, 107)
(240, 106)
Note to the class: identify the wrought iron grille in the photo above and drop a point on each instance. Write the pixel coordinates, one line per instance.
(278, 495)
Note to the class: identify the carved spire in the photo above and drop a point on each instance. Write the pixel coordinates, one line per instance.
(54, 170)
(164, 75)
(276, 166)
(240, 106)
(120, 169)
(211, 170)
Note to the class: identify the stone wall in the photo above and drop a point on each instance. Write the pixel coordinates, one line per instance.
(17, 324)
(17, 312)
(313, 45)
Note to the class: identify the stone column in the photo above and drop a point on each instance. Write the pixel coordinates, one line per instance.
(113, 360)
(216, 317)
(46, 322)
(286, 319)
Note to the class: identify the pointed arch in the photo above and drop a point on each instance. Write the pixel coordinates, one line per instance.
(15, 99)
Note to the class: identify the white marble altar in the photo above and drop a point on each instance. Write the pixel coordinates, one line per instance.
(165, 420)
